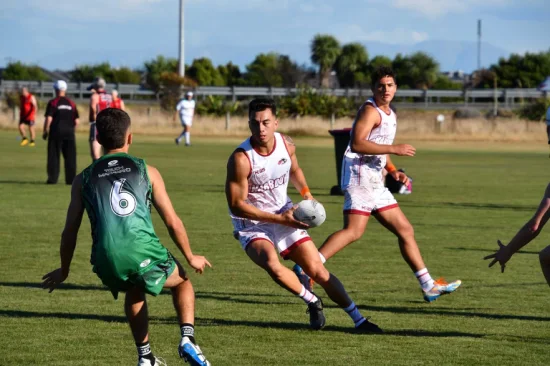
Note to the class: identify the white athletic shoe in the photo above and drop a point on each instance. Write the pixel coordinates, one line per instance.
(192, 353)
(146, 362)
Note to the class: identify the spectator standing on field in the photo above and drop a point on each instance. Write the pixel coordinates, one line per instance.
(116, 101)
(59, 129)
(27, 114)
(99, 100)
(186, 110)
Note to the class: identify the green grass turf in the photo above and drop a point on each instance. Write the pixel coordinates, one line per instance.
(462, 202)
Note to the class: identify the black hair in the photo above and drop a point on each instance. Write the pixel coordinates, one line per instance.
(379, 73)
(112, 124)
(261, 104)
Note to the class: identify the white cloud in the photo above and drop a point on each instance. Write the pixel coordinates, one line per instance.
(84, 10)
(436, 8)
(310, 7)
(266, 5)
(354, 33)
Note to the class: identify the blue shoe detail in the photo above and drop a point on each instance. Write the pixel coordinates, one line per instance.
(441, 288)
(192, 353)
(305, 280)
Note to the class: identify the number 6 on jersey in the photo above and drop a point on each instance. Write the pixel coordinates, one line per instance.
(122, 203)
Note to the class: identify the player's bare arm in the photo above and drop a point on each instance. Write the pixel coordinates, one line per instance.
(236, 192)
(525, 235)
(34, 103)
(94, 100)
(396, 174)
(367, 119)
(46, 130)
(173, 223)
(122, 106)
(297, 177)
(68, 237)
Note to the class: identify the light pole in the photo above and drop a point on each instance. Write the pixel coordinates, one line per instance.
(181, 69)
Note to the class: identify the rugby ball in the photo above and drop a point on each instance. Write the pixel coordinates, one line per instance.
(310, 212)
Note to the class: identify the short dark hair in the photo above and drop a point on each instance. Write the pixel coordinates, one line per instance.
(112, 124)
(380, 72)
(261, 104)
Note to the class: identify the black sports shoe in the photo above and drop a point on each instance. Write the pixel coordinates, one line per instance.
(316, 317)
(368, 327)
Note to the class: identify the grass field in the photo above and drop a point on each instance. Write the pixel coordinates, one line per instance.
(464, 199)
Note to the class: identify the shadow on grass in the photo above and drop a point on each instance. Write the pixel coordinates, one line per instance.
(407, 310)
(488, 250)
(238, 298)
(205, 322)
(468, 205)
(221, 296)
(18, 182)
(63, 286)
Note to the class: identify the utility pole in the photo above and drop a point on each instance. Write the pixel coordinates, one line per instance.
(479, 44)
(181, 69)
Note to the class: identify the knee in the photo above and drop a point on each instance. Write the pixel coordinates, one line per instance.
(354, 233)
(544, 255)
(318, 273)
(274, 268)
(406, 232)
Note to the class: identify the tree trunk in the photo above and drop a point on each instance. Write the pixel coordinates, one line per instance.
(325, 78)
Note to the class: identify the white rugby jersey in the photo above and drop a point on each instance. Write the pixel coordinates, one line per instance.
(268, 179)
(186, 108)
(360, 169)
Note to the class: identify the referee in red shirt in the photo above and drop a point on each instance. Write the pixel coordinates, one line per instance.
(59, 129)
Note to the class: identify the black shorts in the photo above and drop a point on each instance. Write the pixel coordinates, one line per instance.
(25, 122)
(93, 132)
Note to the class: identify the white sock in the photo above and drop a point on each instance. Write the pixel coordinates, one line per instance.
(180, 136)
(187, 138)
(323, 259)
(307, 296)
(424, 279)
(354, 314)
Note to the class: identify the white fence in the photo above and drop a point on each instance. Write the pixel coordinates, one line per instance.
(413, 98)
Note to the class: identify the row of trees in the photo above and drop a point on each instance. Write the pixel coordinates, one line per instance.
(349, 63)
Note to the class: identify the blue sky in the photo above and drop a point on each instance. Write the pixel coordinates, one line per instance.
(64, 33)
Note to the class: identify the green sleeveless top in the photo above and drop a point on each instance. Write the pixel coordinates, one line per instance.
(117, 193)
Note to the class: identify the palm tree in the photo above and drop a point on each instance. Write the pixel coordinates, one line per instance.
(325, 49)
(351, 65)
(424, 69)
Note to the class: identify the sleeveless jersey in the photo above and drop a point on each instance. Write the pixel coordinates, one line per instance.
(104, 101)
(117, 195)
(267, 181)
(116, 103)
(27, 112)
(361, 169)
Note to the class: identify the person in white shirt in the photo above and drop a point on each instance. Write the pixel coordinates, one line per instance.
(186, 110)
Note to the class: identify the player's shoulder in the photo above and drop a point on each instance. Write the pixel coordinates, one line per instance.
(367, 111)
(289, 142)
(239, 160)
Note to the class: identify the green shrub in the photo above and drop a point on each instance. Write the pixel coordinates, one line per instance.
(535, 111)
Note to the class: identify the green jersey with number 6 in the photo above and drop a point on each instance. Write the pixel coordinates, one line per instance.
(117, 193)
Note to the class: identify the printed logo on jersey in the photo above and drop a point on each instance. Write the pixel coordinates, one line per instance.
(112, 163)
(267, 186)
(282, 161)
(258, 171)
(145, 263)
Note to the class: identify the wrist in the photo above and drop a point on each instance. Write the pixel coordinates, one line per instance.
(391, 168)
(305, 191)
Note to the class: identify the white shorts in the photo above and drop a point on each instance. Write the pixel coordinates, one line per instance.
(284, 238)
(186, 121)
(359, 200)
